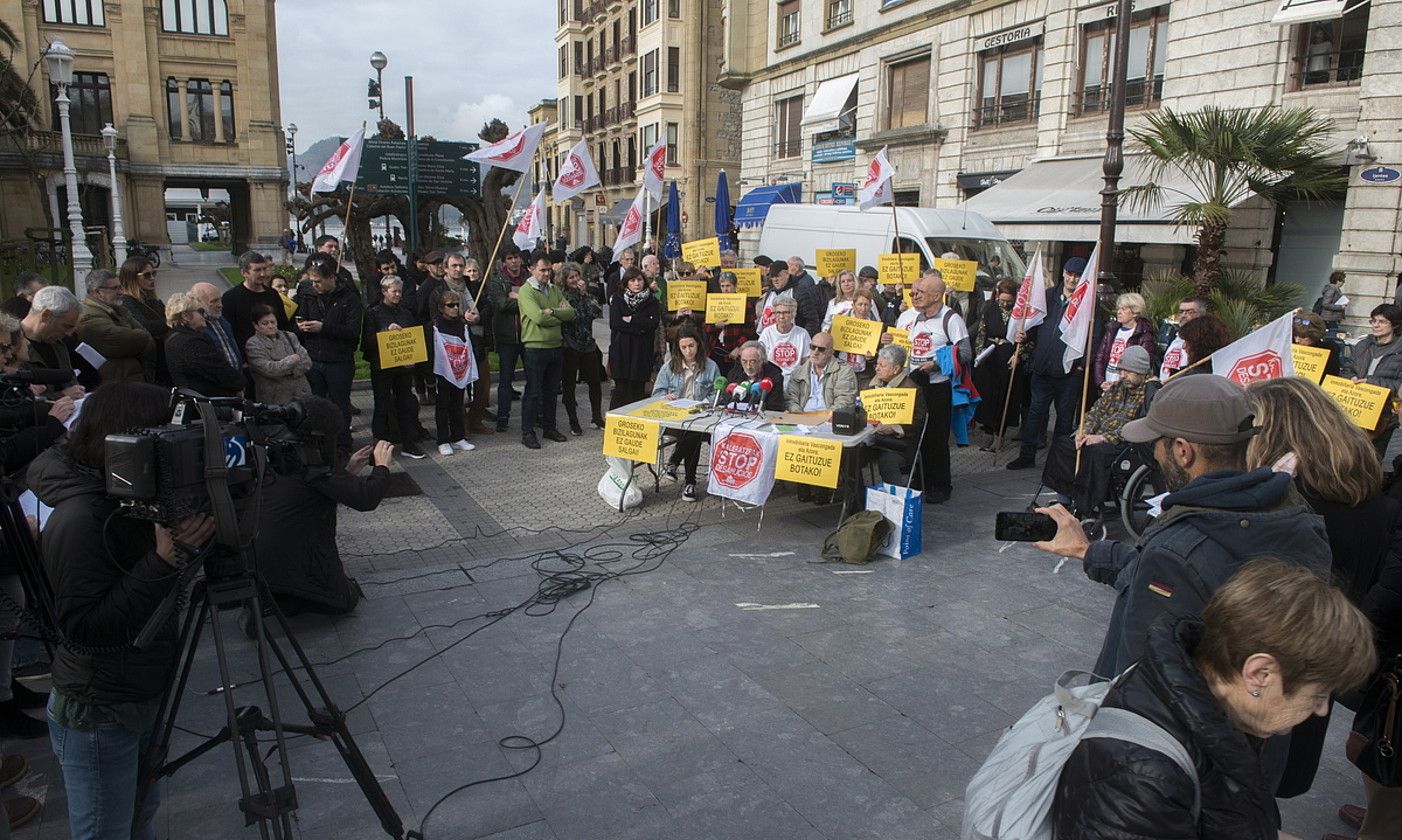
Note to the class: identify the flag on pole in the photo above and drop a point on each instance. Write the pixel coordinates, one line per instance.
(452, 358)
(1079, 318)
(1261, 354)
(577, 173)
(532, 224)
(876, 189)
(672, 245)
(344, 165)
(654, 169)
(1030, 309)
(630, 232)
(515, 152)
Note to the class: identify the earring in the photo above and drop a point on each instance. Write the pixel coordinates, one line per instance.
(1255, 692)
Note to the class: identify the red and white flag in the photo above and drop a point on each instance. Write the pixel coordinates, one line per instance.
(1030, 309)
(532, 224)
(452, 359)
(1079, 318)
(515, 152)
(876, 187)
(1261, 354)
(577, 173)
(630, 232)
(344, 165)
(654, 170)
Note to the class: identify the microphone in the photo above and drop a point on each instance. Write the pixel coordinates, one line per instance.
(756, 395)
(37, 376)
(720, 385)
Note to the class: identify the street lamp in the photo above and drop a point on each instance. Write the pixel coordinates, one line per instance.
(380, 61)
(119, 239)
(291, 131)
(58, 58)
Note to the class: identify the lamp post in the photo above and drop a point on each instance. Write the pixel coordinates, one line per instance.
(59, 60)
(291, 132)
(119, 239)
(1114, 143)
(380, 61)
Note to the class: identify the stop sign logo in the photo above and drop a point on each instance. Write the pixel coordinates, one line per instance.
(1264, 364)
(736, 460)
(921, 345)
(785, 355)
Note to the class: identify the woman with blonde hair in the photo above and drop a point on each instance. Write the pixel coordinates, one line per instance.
(845, 293)
(1128, 329)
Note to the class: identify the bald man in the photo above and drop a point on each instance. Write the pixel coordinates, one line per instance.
(216, 326)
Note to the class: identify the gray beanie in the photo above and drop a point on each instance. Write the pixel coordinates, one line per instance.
(1135, 359)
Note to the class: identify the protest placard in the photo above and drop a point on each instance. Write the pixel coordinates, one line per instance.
(832, 261)
(747, 281)
(889, 405)
(1363, 403)
(855, 335)
(959, 275)
(702, 252)
(686, 294)
(631, 438)
(725, 309)
(815, 461)
(898, 268)
(900, 338)
(1310, 361)
(401, 347)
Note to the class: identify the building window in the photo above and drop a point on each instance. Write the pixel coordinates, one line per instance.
(674, 69)
(564, 12)
(173, 109)
(839, 13)
(578, 111)
(226, 110)
(1330, 52)
(671, 144)
(1148, 46)
(564, 61)
(908, 93)
(90, 98)
(649, 11)
(649, 137)
(650, 73)
(633, 86)
(632, 153)
(788, 23)
(75, 12)
(1010, 84)
(674, 8)
(788, 138)
(195, 17)
(199, 110)
(579, 66)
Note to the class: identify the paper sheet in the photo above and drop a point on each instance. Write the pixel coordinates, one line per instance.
(1343, 300)
(94, 358)
(1156, 504)
(684, 403)
(73, 418)
(35, 508)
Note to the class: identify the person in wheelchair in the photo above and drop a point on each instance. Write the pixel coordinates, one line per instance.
(1099, 442)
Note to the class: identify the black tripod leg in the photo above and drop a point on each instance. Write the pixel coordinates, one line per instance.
(153, 760)
(248, 803)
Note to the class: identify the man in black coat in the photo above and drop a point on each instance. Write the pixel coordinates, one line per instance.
(754, 366)
(329, 315)
(257, 271)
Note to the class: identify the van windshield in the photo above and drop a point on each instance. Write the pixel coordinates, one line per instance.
(996, 260)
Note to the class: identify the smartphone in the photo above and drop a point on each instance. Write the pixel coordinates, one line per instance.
(1018, 526)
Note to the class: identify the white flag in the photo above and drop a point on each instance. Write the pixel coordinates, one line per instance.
(344, 165)
(876, 189)
(1078, 320)
(452, 359)
(577, 173)
(742, 461)
(1262, 354)
(515, 152)
(1031, 306)
(630, 232)
(654, 170)
(532, 224)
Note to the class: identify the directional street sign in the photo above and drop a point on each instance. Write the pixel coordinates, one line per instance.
(384, 168)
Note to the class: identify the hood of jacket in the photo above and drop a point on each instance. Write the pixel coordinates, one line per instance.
(54, 477)
(1259, 489)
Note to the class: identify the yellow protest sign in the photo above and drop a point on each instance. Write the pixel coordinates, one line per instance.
(686, 294)
(1362, 403)
(905, 296)
(1310, 361)
(832, 261)
(747, 280)
(898, 268)
(889, 405)
(815, 461)
(631, 439)
(401, 347)
(959, 275)
(855, 335)
(900, 338)
(702, 252)
(725, 309)
(660, 409)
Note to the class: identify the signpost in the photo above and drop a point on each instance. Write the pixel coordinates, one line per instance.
(385, 168)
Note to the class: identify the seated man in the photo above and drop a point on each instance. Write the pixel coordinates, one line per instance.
(893, 448)
(754, 367)
(1099, 441)
(820, 382)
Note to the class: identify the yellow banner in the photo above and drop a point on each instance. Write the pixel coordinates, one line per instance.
(895, 406)
(747, 281)
(808, 460)
(702, 252)
(725, 309)
(401, 347)
(686, 294)
(660, 409)
(959, 275)
(905, 296)
(855, 335)
(1362, 403)
(832, 261)
(900, 338)
(631, 439)
(1309, 361)
(898, 268)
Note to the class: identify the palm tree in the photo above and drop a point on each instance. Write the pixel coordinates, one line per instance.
(19, 108)
(1226, 156)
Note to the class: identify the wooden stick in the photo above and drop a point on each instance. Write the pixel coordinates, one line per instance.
(487, 269)
(1092, 299)
(345, 225)
(1003, 423)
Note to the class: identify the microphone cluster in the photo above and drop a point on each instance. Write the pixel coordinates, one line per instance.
(747, 396)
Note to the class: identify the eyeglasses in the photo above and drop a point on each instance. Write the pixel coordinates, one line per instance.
(818, 348)
(451, 304)
(116, 288)
(147, 274)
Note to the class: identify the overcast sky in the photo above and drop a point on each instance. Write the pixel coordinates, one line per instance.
(471, 60)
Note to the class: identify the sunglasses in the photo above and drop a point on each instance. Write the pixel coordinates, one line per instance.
(818, 348)
(451, 304)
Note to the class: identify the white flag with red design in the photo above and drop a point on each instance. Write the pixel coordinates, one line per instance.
(344, 165)
(1031, 306)
(654, 170)
(1261, 354)
(577, 173)
(630, 232)
(876, 188)
(532, 224)
(515, 152)
(1079, 318)
(452, 359)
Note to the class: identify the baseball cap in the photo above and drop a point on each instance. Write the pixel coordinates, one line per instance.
(1202, 408)
(1135, 360)
(1075, 265)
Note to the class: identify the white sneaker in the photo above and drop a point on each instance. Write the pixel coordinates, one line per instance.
(445, 449)
(463, 445)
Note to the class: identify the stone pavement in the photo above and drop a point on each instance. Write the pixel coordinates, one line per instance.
(683, 714)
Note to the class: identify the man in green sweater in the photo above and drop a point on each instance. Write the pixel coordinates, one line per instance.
(542, 308)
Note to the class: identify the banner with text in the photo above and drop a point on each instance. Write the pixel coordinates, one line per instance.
(833, 261)
(747, 281)
(815, 461)
(401, 347)
(702, 252)
(742, 461)
(1363, 403)
(725, 309)
(900, 338)
(686, 294)
(631, 438)
(898, 268)
(855, 335)
(660, 409)
(895, 406)
(1310, 361)
(959, 275)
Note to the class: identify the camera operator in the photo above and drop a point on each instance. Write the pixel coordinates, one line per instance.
(109, 572)
(296, 545)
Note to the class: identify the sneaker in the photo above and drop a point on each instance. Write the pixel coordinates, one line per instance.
(20, 810)
(574, 428)
(14, 723)
(27, 697)
(463, 445)
(597, 423)
(445, 449)
(412, 450)
(12, 769)
(1022, 462)
(501, 426)
(529, 441)
(689, 493)
(489, 415)
(670, 471)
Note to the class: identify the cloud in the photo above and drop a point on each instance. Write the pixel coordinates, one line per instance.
(469, 117)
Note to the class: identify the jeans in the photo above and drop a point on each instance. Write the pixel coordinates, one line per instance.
(100, 768)
(507, 356)
(448, 413)
(543, 368)
(1065, 391)
(332, 380)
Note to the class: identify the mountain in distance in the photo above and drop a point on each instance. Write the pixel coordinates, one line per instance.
(309, 162)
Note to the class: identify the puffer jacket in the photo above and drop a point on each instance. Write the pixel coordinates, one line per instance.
(1143, 336)
(1388, 372)
(1115, 790)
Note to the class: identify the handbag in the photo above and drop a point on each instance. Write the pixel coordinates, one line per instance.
(1373, 741)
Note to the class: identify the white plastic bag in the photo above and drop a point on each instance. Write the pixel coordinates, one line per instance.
(612, 486)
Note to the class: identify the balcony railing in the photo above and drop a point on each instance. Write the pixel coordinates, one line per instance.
(1139, 93)
(1336, 69)
(616, 176)
(627, 111)
(839, 14)
(596, 65)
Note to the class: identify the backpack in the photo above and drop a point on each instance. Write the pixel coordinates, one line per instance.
(1011, 795)
(1318, 307)
(858, 538)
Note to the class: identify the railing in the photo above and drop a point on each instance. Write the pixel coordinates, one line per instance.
(839, 13)
(1007, 111)
(616, 176)
(627, 111)
(611, 56)
(1139, 93)
(788, 38)
(1338, 68)
(84, 145)
(596, 65)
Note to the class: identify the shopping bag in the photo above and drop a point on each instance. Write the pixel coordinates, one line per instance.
(902, 508)
(617, 487)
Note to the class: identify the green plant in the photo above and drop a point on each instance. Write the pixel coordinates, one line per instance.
(1162, 291)
(1240, 315)
(1273, 301)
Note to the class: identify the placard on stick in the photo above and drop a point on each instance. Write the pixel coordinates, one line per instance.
(686, 294)
(959, 275)
(815, 461)
(631, 438)
(1362, 403)
(855, 335)
(895, 406)
(725, 309)
(747, 281)
(702, 252)
(1310, 361)
(898, 268)
(401, 347)
(833, 261)
(901, 338)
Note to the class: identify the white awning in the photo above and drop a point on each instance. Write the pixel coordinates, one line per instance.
(828, 103)
(1306, 11)
(1058, 200)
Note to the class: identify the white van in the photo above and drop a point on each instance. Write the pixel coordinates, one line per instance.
(801, 229)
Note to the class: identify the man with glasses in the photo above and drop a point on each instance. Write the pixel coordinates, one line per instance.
(1176, 356)
(819, 383)
(111, 330)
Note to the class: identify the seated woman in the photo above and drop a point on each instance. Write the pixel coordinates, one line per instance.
(1308, 331)
(192, 357)
(691, 375)
(893, 448)
(1099, 442)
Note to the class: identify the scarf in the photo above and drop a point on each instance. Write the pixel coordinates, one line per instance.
(634, 299)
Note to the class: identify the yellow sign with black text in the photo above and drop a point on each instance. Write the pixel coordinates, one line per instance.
(725, 309)
(900, 338)
(631, 438)
(833, 261)
(815, 461)
(747, 281)
(895, 406)
(1310, 361)
(401, 347)
(855, 335)
(898, 268)
(660, 409)
(702, 252)
(1362, 403)
(959, 275)
(686, 294)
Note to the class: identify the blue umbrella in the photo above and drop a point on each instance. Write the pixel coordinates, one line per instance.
(672, 246)
(723, 211)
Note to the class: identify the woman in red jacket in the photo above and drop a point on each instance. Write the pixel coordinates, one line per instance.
(1129, 328)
